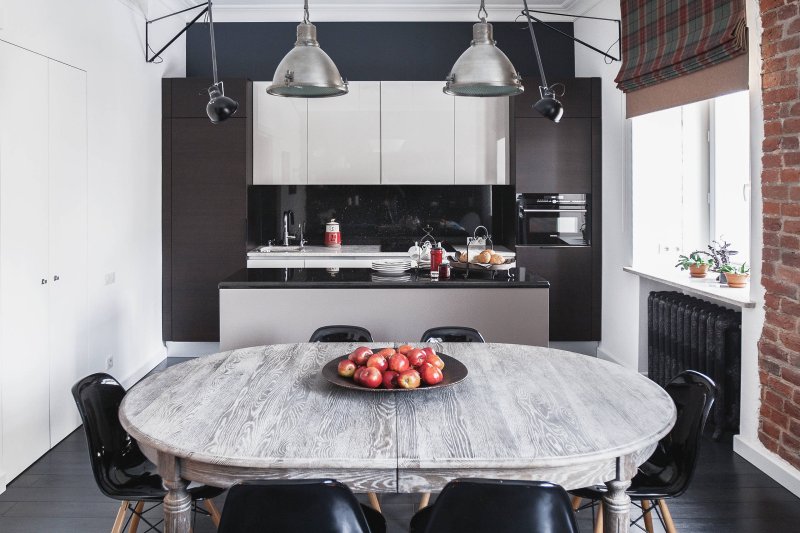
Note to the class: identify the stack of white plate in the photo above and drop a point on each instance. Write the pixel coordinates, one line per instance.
(392, 267)
(394, 278)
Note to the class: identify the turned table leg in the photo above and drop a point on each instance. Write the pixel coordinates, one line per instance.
(617, 503)
(177, 502)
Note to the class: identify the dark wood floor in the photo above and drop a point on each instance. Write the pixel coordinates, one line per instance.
(728, 495)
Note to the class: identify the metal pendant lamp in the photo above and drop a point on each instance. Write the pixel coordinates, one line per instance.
(307, 71)
(483, 70)
(548, 106)
(219, 107)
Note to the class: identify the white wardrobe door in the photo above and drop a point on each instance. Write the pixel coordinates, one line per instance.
(417, 133)
(344, 137)
(482, 141)
(69, 340)
(280, 138)
(23, 259)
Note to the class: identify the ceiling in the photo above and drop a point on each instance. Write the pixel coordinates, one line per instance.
(375, 10)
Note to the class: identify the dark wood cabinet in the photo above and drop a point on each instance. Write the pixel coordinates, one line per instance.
(188, 97)
(571, 292)
(581, 98)
(206, 170)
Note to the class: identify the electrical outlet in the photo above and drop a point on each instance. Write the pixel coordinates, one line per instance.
(111, 277)
(109, 362)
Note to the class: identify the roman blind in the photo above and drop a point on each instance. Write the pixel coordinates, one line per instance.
(665, 40)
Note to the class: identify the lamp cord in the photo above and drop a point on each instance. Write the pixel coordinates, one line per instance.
(535, 44)
(306, 16)
(482, 9)
(213, 44)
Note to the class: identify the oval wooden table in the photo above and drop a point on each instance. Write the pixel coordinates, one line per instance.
(522, 413)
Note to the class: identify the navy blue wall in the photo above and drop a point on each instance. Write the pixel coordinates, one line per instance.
(373, 50)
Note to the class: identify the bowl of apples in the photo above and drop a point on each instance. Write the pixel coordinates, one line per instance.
(401, 369)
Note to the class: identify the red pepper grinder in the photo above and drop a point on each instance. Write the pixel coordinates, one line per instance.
(437, 254)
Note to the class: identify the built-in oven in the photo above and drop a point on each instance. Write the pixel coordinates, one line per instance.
(553, 220)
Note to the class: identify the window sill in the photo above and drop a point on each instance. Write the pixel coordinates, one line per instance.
(705, 287)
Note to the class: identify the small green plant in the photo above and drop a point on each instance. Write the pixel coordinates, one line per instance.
(733, 269)
(694, 259)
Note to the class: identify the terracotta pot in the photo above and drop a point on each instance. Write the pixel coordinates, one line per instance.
(736, 280)
(698, 271)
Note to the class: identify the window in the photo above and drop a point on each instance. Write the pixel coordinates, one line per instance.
(691, 176)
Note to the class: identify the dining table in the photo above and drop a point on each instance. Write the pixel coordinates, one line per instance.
(522, 412)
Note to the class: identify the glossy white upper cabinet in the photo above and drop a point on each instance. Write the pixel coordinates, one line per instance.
(280, 138)
(482, 141)
(417, 133)
(344, 137)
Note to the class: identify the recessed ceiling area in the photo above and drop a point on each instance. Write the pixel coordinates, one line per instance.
(379, 10)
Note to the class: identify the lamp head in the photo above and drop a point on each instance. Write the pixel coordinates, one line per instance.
(549, 106)
(220, 107)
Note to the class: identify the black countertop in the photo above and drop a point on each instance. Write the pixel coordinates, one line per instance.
(364, 278)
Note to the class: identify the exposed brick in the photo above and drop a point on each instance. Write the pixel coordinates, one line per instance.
(777, 96)
(791, 158)
(791, 375)
(780, 386)
(770, 429)
(791, 125)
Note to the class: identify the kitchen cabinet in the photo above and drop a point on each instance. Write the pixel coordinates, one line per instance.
(417, 133)
(553, 158)
(344, 137)
(43, 254)
(206, 170)
(482, 141)
(280, 138)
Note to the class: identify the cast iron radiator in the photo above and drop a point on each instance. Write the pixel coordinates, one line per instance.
(686, 333)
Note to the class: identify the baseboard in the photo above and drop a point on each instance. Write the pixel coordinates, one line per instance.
(191, 349)
(584, 347)
(130, 380)
(769, 463)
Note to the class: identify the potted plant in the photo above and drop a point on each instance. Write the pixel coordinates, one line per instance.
(720, 255)
(736, 276)
(695, 263)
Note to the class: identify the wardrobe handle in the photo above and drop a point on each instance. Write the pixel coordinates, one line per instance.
(44, 281)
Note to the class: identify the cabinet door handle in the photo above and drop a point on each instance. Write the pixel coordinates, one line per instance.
(44, 281)
(56, 278)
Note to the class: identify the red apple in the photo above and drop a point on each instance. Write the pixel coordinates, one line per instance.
(357, 374)
(371, 377)
(378, 361)
(429, 351)
(431, 375)
(346, 368)
(360, 355)
(399, 362)
(436, 361)
(387, 352)
(390, 379)
(408, 379)
(404, 349)
(416, 357)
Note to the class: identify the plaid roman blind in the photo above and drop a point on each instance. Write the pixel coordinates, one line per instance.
(665, 39)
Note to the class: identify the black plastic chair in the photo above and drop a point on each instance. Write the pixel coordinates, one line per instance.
(341, 334)
(299, 506)
(452, 334)
(497, 506)
(668, 472)
(120, 469)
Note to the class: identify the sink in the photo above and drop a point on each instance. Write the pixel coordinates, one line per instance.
(279, 248)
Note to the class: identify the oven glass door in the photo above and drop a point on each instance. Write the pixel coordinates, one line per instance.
(555, 227)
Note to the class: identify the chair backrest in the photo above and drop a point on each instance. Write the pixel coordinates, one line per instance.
(500, 506)
(114, 455)
(452, 334)
(299, 506)
(675, 458)
(341, 334)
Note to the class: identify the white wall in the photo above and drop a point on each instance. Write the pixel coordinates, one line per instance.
(106, 39)
(620, 334)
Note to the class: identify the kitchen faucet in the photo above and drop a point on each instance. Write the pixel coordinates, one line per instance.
(288, 219)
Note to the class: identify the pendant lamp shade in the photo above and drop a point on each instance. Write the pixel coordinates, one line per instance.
(220, 107)
(549, 106)
(483, 70)
(307, 71)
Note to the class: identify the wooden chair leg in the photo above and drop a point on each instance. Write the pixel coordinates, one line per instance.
(669, 525)
(212, 510)
(576, 502)
(648, 516)
(120, 520)
(373, 501)
(598, 523)
(134, 526)
(425, 500)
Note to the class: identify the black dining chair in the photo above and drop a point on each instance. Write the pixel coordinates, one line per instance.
(452, 334)
(668, 472)
(120, 469)
(497, 506)
(341, 334)
(299, 506)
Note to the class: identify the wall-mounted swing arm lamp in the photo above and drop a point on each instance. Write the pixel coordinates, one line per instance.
(549, 106)
(219, 107)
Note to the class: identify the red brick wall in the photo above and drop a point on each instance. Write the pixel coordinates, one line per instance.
(779, 347)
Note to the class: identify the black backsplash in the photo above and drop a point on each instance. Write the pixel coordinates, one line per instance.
(392, 216)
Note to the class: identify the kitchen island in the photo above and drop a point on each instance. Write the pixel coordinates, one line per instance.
(271, 306)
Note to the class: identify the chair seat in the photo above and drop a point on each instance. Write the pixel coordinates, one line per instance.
(142, 483)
